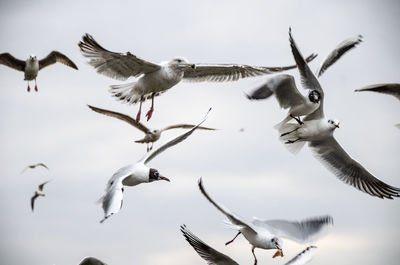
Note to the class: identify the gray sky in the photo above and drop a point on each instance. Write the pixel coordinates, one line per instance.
(251, 173)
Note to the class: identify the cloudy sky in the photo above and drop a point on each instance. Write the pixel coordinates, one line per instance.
(250, 172)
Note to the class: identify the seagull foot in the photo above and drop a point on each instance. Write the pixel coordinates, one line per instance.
(29, 88)
(36, 89)
(149, 114)
(297, 119)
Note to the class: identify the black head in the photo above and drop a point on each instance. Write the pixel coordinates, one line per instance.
(155, 175)
(314, 96)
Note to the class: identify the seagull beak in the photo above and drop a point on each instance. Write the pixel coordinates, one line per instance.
(164, 178)
(278, 253)
(337, 125)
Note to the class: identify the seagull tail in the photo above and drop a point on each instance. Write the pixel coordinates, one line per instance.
(127, 93)
(279, 125)
(290, 129)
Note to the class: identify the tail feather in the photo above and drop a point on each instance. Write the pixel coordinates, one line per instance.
(285, 120)
(127, 93)
(295, 147)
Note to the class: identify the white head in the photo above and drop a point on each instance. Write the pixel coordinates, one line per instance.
(32, 57)
(181, 63)
(333, 124)
(277, 244)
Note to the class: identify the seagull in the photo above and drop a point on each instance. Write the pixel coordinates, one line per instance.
(151, 136)
(34, 166)
(303, 257)
(91, 261)
(318, 132)
(284, 87)
(214, 257)
(389, 88)
(266, 234)
(38, 194)
(338, 52)
(136, 174)
(32, 65)
(154, 79)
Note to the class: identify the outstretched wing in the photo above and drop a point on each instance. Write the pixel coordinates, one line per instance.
(283, 87)
(231, 72)
(210, 255)
(10, 61)
(335, 158)
(186, 126)
(41, 165)
(308, 79)
(122, 117)
(56, 57)
(338, 52)
(40, 187)
(300, 231)
(174, 141)
(120, 66)
(390, 89)
(303, 257)
(112, 200)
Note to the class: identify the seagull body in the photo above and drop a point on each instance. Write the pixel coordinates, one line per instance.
(154, 79)
(318, 132)
(389, 88)
(38, 194)
(136, 174)
(32, 65)
(266, 234)
(34, 166)
(151, 136)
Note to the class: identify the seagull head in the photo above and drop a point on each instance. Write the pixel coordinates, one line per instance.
(154, 175)
(181, 63)
(32, 57)
(277, 243)
(314, 96)
(333, 124)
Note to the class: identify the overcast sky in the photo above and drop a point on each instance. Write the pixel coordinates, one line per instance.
(249, 172)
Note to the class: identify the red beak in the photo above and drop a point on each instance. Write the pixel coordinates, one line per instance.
(164, 178)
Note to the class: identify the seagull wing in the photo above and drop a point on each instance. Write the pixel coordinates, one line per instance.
(10, 61)
(300, 231)
(308, 79)
(283, 87)
(335, 158)
(56, 57)
(122, 117)
(391, 89)
(41, 165)
(34, 197)
(112, 200)
(186, 126)
(91, 261)
(231, 72)
(40, 187)
(338, 52)
(233, 218)
(303, 257)
(212, 256)
(150, 155)
(120, 66)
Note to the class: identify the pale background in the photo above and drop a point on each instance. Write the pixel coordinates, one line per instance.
(250, 172)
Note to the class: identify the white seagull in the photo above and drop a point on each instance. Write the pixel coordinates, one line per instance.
(266, 234)
(136, 174)
(34, 166)
(38, 193)
(214, 257)
(154, 79)
(151, 136)
(318, 132)
(32, 65)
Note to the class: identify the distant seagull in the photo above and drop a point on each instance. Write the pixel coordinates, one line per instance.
(151, 136)
(338, 52)
(34, 166)
(318, 132)
(38, 193)
(136, 174)
(91, 261)
(32, 65)
(303, 257)
(266, 234)
(389, 88)
(154, 79)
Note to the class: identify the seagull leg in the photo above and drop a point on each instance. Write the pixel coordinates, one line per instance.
(227, 243)
(140, 110)
(150, 112)
(36, 89)
(254, 255)
(292, 141)
(297, 119)
(29, 88)
(286, 133)
(151, 147)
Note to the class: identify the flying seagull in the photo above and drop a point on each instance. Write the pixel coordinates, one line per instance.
(91, 261)
(34, 166)
(151, 136)
(318, 132)
(32, 65)
(154, 79)
(390, 89)
(38, 194)
(338, 52)
(214, 257)
(136, 174)
(266, 234)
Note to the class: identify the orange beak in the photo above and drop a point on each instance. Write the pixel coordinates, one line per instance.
(278, 253)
